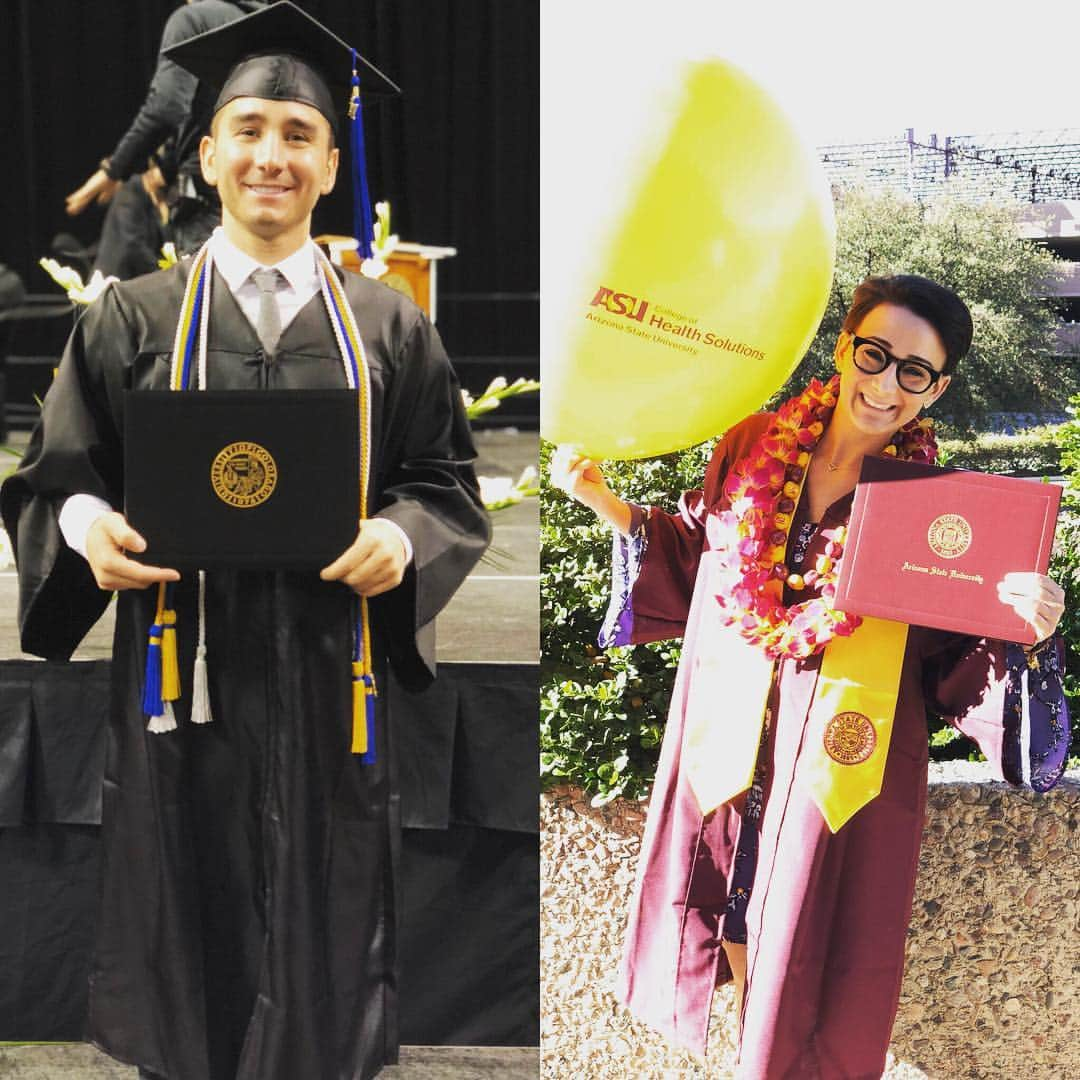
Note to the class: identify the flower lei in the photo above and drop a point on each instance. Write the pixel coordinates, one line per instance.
(762, 490)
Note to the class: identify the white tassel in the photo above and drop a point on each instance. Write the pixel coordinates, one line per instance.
(200, 683)
(166, 722)
(200, 690)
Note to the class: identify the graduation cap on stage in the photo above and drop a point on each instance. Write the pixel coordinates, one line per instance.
(280, 53)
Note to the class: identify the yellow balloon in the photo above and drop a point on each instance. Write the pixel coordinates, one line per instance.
(684, 296)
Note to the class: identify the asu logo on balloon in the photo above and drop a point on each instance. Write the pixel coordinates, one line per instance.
(620, 303)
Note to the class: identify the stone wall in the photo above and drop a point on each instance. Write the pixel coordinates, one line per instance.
(992, 984)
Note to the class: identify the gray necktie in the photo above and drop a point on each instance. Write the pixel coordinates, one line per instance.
(269, 325)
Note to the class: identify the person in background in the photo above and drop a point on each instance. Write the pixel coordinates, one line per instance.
(176, 111)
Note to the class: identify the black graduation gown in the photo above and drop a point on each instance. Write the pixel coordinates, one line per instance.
(247, 924)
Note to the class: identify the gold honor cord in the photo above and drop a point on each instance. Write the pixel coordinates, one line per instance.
(162, 675)
(364, 690)
(161, 685)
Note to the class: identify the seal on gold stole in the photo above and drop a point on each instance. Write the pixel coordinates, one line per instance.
(850, 738)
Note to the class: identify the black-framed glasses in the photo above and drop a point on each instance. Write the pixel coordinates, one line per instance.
(914, 376)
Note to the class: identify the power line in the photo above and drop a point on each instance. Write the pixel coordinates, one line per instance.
(1032, 166)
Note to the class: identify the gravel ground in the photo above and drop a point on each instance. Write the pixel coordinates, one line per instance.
(991, 988)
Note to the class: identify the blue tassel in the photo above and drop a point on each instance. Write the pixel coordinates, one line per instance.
(151, 702)
(362, 219)
(368, 757)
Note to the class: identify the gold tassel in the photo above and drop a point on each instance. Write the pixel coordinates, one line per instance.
(359, 709)
(170, 665)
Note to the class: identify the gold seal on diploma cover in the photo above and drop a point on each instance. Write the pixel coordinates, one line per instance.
(850, 738)
(949, 536)
(243, 475)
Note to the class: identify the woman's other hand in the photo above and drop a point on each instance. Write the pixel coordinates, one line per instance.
(1037, 599)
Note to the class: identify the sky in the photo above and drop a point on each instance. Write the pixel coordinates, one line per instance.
(845, 71)
(613, 74)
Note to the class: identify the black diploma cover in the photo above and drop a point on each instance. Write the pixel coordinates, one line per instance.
(262, 479)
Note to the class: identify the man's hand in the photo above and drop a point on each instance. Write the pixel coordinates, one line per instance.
(107, 540)
(153, 182)
(99, 188)
(374, 563)
(1037, 599)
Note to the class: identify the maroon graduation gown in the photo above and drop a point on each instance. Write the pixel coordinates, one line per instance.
(828, 914)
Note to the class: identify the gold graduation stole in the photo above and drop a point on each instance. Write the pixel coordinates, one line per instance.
(726, 689)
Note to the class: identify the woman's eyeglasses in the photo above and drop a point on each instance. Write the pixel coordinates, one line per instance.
(912, 375)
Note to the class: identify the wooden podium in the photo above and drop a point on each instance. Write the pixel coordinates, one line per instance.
(411, 268)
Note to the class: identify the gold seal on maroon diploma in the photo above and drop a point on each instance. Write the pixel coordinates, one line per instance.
(850, 738)
(949, 536)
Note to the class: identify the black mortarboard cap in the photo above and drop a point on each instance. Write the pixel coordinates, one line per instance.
(280, 53)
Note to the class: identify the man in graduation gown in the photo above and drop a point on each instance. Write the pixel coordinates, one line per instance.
(247, 922)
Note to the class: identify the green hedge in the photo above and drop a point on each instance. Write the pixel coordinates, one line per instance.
(602, 712)
(1033, 452)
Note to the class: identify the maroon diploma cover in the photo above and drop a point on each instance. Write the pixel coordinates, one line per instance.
(927, 546)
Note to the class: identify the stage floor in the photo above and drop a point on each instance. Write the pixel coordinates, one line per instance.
(77, 1061)
(494, 618)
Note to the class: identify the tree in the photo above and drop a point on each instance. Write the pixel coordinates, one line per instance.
(974, 248)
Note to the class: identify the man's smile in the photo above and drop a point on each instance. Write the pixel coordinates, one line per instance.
(268, 189)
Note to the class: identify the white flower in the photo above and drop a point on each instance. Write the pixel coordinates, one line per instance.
(383, 241)
(71, 282)
(7, 556)
(528, 481)
(498, 492)
(64, 276)
(97, 284)
(373, 268)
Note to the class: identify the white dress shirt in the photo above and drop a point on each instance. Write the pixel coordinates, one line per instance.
(300, 284)
(299, 271)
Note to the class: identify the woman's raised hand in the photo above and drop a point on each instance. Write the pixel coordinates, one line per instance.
(580, 477)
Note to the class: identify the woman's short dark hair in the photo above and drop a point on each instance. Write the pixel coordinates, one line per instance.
(939, 306)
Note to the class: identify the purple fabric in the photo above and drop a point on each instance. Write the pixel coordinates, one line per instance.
(825, 914)
(627, 554)
(1048, 714)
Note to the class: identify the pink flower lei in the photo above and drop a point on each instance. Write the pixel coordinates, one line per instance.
(762, 490)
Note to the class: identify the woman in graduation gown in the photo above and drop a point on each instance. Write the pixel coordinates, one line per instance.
(247, 920)
(757, 863)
